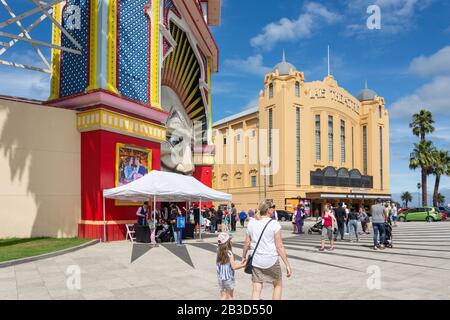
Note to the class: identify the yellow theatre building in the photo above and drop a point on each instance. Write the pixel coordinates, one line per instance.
(305, 140)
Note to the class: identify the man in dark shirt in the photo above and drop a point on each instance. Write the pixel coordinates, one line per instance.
(233, 217)
(341, 217)
(173, 222)
(219, 216)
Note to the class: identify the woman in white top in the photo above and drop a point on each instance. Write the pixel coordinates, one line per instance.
(266, 266)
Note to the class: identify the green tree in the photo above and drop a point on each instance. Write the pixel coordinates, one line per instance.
(406, 198)
(422, 124)
(441, 166)
(440, 199)
(423, 157)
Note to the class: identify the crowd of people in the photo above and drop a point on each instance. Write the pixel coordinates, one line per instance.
(343, 221)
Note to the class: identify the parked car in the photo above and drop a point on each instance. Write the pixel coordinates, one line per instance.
(429, 214)
(445, 210)
(284, 215)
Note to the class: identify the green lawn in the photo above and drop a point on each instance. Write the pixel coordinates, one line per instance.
(16, 248)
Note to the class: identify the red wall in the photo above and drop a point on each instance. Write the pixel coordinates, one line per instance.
(204, 174)
(98, 161)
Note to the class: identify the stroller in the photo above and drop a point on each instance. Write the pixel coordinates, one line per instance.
(163, 234)
(316, 228)
(388, 238)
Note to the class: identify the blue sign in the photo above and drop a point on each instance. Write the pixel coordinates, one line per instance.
(181, 222)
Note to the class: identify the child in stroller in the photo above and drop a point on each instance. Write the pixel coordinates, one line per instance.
(317, 228)
(163, 233)
(388, 237)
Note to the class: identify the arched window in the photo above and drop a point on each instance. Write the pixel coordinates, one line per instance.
(297, 89)
(271, 91)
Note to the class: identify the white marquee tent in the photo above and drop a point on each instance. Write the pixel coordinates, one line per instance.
(164, 186)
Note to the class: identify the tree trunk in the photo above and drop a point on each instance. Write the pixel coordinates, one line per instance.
(424, 188)
(436, 190)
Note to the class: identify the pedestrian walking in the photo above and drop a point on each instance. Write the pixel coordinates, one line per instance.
(242, 218)
(219, 221)
(274, 214)
(263, 239)
(299, 218)
(328, 223)
(341, 217)
(347, 211)
(363, 218)
(226, 222)
(251, 213)
(226, 265)
(213, 219)
(294, 221)
(379, 218)
(353, 225)
(233, 217)
(394, 214)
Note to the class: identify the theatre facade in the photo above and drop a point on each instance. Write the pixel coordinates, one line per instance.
(312, 141)
(136, 98)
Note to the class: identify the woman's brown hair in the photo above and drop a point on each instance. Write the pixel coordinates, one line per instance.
(222, 253)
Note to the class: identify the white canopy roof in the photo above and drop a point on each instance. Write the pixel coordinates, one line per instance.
(166, 186)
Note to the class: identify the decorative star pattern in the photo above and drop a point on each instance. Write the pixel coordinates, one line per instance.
(133, 48)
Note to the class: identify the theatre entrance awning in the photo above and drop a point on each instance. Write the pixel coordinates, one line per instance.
(346, 196)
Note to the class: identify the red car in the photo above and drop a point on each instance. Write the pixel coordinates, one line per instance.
(401, 210)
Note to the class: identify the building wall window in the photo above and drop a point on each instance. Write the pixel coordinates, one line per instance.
(342, 141)
(381, 157)
(297, 136)
(225, 141)
(365, 150)
(330, 139)
(253, 181)
(353, 148)
(318, 145)
(380, 111)
(271, 91)
(238, 137)
(297, 89)
(270, 145)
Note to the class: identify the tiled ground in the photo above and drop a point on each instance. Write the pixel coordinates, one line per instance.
(417, 268)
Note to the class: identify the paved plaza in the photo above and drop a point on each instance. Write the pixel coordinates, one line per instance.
(418, 267)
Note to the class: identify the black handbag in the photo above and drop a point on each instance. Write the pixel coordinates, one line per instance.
(249, 265)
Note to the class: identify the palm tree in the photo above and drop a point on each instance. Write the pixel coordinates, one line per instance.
(440, 199)
(422, 124)
(423, 157)
(441, 166)
(406, 198)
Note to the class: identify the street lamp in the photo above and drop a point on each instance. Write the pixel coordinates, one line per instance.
(419, 186)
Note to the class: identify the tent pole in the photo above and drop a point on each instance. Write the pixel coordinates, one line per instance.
(200, 219)
(154, 217)
(104, 220)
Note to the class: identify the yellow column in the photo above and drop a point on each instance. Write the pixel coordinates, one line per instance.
(155, 53)
(56, 54)
(209, 102)
(112, 47)
(93, 42)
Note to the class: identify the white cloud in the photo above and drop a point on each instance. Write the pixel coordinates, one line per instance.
(253, 65)
(314, 14)
(396, 15)
(433, 96)
(24, 83)
(437, 64)
(252, 103)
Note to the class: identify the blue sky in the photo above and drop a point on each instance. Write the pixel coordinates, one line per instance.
(407, 61)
